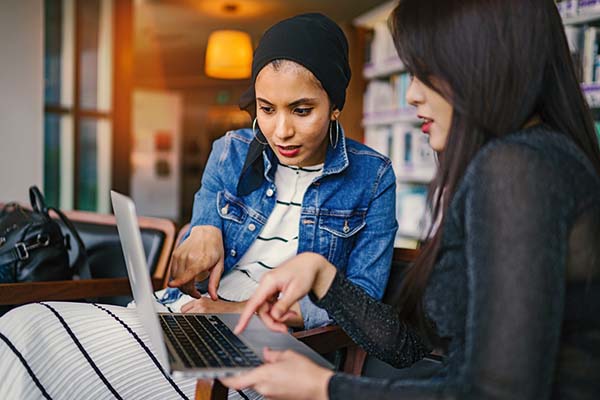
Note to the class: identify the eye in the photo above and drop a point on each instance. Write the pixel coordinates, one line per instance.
(266, 109)
(303, 111)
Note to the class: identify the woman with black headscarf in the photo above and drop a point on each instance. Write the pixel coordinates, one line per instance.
(293, 183)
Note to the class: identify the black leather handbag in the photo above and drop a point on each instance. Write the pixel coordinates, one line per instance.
(34, 248)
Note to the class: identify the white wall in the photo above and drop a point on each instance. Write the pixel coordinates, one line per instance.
(21, 97)
(156, 113)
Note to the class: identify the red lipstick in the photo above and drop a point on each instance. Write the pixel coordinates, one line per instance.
(288, 151)
(426, 127)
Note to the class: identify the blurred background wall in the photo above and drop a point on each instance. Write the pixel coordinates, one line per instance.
(21, 97)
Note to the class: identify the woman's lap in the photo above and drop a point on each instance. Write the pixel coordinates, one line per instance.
(78, 350)
(63, 350)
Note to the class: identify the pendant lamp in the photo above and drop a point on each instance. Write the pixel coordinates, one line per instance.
(228, 55)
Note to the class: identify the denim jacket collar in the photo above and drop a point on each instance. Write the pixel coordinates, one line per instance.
(336, 160)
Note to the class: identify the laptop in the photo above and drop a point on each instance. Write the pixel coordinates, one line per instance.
(194, 345)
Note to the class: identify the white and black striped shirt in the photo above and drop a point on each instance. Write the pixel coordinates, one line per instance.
(278, 240)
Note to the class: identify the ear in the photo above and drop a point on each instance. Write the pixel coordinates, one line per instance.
(335, 114)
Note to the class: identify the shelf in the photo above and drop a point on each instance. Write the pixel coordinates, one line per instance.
(384, 69)
(591, 91)
(377, 14)
(582, 18)
(390, 117)
(413, 175)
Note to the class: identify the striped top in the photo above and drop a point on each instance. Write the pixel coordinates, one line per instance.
(278, 240)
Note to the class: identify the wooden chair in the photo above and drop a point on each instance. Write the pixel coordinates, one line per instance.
(330, 338)
(100, 236)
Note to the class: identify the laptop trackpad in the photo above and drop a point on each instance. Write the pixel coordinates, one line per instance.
(257, 336)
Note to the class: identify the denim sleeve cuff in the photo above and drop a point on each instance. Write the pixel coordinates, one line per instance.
(314, 317)
(331, 297)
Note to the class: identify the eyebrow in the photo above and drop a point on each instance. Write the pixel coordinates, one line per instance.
(304, 100)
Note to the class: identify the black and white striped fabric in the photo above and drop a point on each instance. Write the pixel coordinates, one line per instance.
(278, 240)
(59, 350)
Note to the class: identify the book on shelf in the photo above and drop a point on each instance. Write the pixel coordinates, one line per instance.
(411, 210)
(379, 96)
(369, 37)
(388, 94)
(408, 149)
(412, 157)
(590, 54)
(574, 8)
(585, 48)
(383, 49)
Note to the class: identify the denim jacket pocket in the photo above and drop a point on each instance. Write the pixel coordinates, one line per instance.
(231, 209)
(337, 233)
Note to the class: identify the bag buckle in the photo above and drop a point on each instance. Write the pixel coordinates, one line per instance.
(21, 250)
(42, 240)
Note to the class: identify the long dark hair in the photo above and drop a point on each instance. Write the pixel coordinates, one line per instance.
(501, 62)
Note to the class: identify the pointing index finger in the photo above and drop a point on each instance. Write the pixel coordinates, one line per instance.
(259, 297)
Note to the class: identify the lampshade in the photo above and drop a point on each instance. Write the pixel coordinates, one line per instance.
(228, 55)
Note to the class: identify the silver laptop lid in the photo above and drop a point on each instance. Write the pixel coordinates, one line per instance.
(137, 269)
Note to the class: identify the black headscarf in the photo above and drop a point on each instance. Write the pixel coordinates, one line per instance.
(313, 41)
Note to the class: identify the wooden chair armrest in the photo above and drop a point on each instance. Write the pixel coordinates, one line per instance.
(28, 292)
(210, 389)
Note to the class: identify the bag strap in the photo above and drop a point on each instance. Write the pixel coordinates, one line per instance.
(38, 203)
(81, 262)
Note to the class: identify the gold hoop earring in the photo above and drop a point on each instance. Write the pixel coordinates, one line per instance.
(255, 134)
(337, 133)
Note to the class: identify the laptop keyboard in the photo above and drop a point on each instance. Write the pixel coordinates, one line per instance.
(203, 341)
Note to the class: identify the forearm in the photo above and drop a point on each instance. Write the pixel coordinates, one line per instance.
(374, 326)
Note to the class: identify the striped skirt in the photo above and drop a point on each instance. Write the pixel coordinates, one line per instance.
(60, 350)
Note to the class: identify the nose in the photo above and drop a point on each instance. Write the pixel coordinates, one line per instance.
(284, 129)
(414, 93)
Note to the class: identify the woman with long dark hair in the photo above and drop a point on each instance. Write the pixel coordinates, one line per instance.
(508, 284)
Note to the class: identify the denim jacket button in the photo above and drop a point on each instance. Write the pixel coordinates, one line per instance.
(225, 209)
(233, 253)
(251, 227)
(270, 192)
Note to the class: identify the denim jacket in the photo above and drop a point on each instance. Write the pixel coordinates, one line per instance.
(348, 213)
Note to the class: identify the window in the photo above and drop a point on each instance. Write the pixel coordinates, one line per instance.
(78, 120)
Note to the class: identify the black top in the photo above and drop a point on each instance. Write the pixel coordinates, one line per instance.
(515, 290)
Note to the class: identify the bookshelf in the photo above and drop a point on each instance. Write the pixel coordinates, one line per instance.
(581, 19)
(391, 125)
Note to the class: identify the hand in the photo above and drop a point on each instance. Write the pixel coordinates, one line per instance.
(206, 305)
(286, 375)
(200, 254)
(280, 288)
